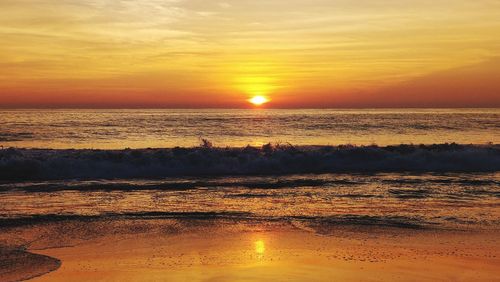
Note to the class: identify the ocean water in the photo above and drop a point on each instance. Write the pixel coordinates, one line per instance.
(118, 129)
(305, 177)
(431, 200)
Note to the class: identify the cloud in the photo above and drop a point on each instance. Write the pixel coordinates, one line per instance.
(476, 85)
(320, 46)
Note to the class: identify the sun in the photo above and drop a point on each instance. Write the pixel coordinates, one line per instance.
(258, 100)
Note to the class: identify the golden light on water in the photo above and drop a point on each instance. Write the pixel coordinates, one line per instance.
(260, 247)
(259, 100)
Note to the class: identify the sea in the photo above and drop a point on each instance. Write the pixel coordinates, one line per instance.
(406, 168)
(119, 129)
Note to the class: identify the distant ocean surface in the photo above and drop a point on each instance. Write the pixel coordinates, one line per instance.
(81, 168)
(119, 129)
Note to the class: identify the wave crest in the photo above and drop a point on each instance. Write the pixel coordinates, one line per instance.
(30, 164)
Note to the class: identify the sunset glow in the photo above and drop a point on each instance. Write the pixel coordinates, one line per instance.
(237, 140)
(189, 53)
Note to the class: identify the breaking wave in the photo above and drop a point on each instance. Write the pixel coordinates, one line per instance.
(39, 164)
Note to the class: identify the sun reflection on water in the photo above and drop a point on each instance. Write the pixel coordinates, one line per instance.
(260, 247)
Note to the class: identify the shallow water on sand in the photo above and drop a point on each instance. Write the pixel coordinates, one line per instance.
(431, 200)
(252, 250)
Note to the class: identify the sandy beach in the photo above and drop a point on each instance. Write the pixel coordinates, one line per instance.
(228, 250)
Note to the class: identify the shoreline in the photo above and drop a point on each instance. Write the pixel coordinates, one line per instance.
(21, 265)
(196, 249)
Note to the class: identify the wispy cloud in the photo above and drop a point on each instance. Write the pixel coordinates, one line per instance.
(323, 45)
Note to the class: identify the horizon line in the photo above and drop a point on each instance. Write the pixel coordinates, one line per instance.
(239, 108)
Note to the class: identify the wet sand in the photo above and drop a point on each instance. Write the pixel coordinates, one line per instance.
(239, 250)
(16, 265)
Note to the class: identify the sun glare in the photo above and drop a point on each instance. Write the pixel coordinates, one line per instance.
(258, 100)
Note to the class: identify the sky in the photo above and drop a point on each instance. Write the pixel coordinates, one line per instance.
(297, 53)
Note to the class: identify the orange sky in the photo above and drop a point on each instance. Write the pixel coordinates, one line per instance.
(199, 53)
